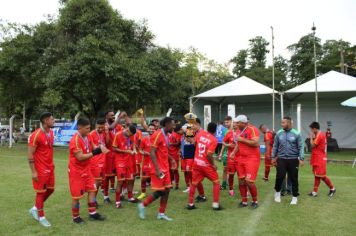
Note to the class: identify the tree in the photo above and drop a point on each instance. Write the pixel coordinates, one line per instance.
(240, 61)
(302, 59)
(258, 51)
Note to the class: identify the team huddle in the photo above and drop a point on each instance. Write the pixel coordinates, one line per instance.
(153, 155)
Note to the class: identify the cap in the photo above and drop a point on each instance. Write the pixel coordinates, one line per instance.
(241, 118)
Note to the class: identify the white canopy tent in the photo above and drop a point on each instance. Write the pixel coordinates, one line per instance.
(249, 97)
(333, 88)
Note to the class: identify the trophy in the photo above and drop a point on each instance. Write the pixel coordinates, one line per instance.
(190, 118)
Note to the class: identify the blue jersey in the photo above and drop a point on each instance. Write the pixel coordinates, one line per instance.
(220, 133)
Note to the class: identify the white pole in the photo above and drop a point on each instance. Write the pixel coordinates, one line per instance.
(11, 123)
(299, 117)
(273, 87)
(316, 81)
(282, 105)
(190, 104)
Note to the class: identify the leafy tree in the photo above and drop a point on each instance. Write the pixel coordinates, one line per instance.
(240, 61)
(258, 51)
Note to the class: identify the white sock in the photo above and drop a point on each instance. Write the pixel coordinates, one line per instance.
(92, 213)
(278, 194)
(34, 208)
(106, 197)
(215, 204)
(41, 218)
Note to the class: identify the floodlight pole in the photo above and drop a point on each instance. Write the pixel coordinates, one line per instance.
(316, 81)
(273, 87)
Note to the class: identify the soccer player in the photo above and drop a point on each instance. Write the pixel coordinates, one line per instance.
(40, 158)
(124, 150)
(318, 159)
(248, 159)
(230, 141)
(114, 127)
(81, 180)
(145, 149)
(268, 140)
(99, 136)
(160, 178)
(174, 151)
(204, 166)
(223, 153)
(187, 157)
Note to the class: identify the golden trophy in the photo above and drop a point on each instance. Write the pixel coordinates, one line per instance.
(190, 118)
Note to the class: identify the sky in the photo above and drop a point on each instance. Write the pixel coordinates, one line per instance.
(218, 28)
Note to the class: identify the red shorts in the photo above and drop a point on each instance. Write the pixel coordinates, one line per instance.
(248, 169)
(109, 167)
(158, 184)
(138, 158)
(124, 171)
(268, 161)
(45, 181)
(319, 170)
(146, 171)
(177, 164)
(201, 172)
(79, 183)
(187, 165)
(231, 167)
(97, 170)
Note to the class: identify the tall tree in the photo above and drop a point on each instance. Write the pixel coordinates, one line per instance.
(258, 51)
(240, 61)
(302, 59)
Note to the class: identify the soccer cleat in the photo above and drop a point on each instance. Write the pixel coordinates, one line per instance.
(243, 204)
(142, 196)
(332, 192)
(254, 205)
(277, 197)
(141, 211)
(107, 200)
(200, 199)
(113, 190)
(44, 222)
(33, 212)
(97, 217)
(191, 207)
(162, 216)
(222, 187)
(294, 201)
(78, 220)
(133, 200)
(231, 193)
(176, 188)
(265, 179)
(186, 190)
(313, 194)
(118, 205)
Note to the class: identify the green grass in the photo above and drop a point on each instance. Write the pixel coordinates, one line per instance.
(312, 216)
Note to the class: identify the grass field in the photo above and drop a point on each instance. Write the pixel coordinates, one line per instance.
(312, 216)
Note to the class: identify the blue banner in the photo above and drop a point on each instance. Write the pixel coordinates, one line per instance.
(63, 132)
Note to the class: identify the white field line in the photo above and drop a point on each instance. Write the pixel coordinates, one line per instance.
(250, 226)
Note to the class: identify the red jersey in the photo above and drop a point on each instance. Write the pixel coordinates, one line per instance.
(43, 155)
(174, 138)
(268, 136)
(122, 142)
(245, 151)
(98, 139)
(118, 128)
(159, 141)
(230, 138)
(318, 154)
(205, 143)
(146, 147)
(79, 144)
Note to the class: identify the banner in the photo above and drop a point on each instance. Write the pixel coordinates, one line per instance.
(207, 116)
(63, 132)
(231, 110)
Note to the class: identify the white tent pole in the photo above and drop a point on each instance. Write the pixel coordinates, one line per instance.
(190, 104)
(282, 105)
(316, 81)
(299, 121)
(273, 87)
